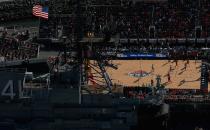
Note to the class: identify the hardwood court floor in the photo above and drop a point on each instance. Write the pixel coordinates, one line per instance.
(181, 78)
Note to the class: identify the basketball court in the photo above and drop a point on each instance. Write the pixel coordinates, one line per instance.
(180, 74)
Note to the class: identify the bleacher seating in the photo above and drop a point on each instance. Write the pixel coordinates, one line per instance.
(17, 47)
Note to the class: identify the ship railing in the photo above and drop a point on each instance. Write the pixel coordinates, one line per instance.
(35, 90)
(187, 98)
(14, 29)
(35, 85)
(22, 70)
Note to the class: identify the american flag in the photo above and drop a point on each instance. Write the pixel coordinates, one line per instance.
(40, 11)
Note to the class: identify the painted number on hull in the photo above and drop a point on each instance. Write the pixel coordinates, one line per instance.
(9, 89)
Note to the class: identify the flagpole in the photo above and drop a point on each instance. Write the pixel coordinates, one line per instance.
(39, 22)
(40, 18)
(39, 27)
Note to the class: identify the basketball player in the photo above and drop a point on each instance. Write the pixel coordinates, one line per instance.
(185, 66)
(152, 82)
(176, 62)
(153, 69)
(169, 77)
(170, 68)
(188, 61)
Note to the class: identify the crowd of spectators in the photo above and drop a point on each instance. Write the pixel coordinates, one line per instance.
(132, 19)
(170, 19)
(16, 9)
(129, 18)
(17, 47)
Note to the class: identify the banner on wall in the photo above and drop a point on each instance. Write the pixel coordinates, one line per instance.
(138, 55)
